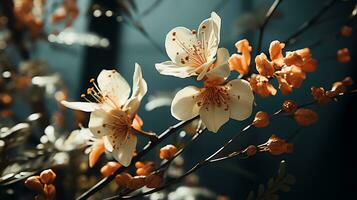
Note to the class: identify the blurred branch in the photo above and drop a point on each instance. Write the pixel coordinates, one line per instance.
(268, 16)
(213, 159)
(309, 23)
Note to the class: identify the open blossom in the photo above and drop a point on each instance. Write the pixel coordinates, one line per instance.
(214, 103)
(260, 85)
(113, 113)
(195, 53)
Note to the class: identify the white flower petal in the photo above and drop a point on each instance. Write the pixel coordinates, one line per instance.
(184, 105)
(214, 116)
(114, 85)
(139, 84)
(221, 66)
(209, 34)
(172, 69)
(241, 99)
(83, 106)
(124, 151)
(107, 144)
(97, 119)
(179, 41)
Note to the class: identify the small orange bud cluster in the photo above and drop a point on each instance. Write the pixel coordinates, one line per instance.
(153, 180)
(144, 168)
(167, 152)
(289, 71)
(261, 119)
(43, 185)
(276, 146)
(343, 55)
(323, 96)
(109, 168)
(346, 31)
(302, 116)
(241, 62)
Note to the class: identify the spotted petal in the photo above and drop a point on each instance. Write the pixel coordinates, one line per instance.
(124, 150)
(173, 69)
(209, 35)
(214, 116)
(114, 85)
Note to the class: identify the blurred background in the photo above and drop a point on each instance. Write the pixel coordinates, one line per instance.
(111, 35)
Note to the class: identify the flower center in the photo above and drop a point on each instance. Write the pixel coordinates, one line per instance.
(195, 53)
(214, 95)
(98, 96)
(120, 124)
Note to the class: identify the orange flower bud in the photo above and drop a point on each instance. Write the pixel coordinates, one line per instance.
(236, 62)
(260, 85)
(284, 86)
(241, 62)
(154, 180)
(309, 66)
(137, 122)
(123, 179)
(34, 183)
(347, 81)
(319, 94)
(264, 67)
(346, 31)
(289, 106)
(305, 53)
(49, 192)
(261, 119)
(109, 168)
(292, 58)
(293, 75)
(343, 55)
(305, 117)
(168, 151)
(251, 150)
(136, 182)
(97, 151)
(47, 176)
(276, 55)
(145, 168)
(277, 146)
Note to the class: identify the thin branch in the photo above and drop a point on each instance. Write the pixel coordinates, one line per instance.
(211, 159)
(309, 23)
(102, 183)
(268, 16)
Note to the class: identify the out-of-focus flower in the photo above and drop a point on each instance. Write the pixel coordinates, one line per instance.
(347, 81)
(289, 106)
(34, 183)
(241, 62)
(168, 151)
(346, 31)
(260, 85)
(97, 150)
(123, 179)
(43, 185)
(276, 146)
(154, 180)
(144, 168)
(113, 112)
(214, 103)
(193, 53)
(305, 117)
(47, 176)
(343, 55)
(261, 119)
(68, 11)
(109, 168)
(264, 66)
